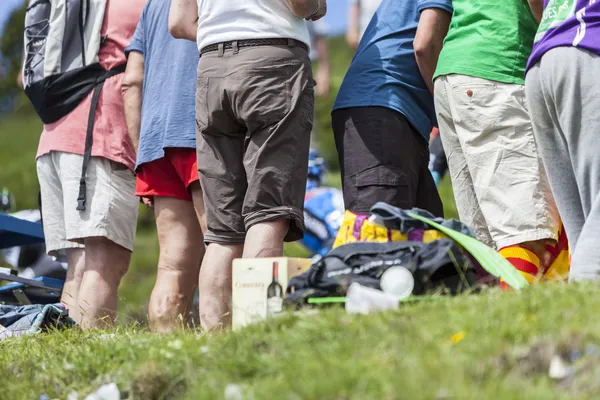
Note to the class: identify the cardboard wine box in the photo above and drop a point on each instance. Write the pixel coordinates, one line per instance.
(251, 280)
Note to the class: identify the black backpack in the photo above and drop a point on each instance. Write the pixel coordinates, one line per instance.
(440, 265)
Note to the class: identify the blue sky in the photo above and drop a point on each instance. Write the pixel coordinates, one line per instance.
(335, 19)
(337, 11)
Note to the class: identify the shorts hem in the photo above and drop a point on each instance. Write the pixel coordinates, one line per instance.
(224, 238)
(152, 193)
(190, 183)
(296, 217)
(53, 248)
(531, 236)
(123, 242)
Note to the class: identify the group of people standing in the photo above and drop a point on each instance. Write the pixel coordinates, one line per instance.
(210, 126)
(509, 86)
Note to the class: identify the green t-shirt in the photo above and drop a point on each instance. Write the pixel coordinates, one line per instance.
(490, 39)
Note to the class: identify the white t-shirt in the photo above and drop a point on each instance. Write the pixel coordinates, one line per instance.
(367, 10)
(227, 20)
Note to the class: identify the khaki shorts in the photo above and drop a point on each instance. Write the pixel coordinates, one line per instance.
(254, 115)
(499, 182)
(111, 208)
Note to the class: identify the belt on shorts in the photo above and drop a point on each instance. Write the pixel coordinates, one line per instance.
(254, 43)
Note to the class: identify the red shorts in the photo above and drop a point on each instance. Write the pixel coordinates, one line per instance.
(170, 176)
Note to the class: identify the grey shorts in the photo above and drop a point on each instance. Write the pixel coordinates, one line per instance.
(254, 115)
(111, 209)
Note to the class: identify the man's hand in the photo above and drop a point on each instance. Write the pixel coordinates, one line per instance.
(308, 9)
(132, 87)
(428, 43)
(320, 13)
(183, 19)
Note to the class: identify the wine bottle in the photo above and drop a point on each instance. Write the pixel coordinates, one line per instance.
(274, 293)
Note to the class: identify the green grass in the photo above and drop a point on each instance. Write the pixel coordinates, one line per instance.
(491, 346)
(19, 137)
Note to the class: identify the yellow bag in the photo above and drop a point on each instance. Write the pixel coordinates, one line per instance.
(358, 228)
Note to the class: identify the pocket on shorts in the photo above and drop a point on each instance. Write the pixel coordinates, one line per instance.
(382, 183)
(307, 104)
(201, 103)
(265, 95)
(478, 103)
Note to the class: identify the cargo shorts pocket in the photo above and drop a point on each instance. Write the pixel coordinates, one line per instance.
(382, 183)
(266, 96)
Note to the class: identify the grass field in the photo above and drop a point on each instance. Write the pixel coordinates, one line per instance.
(491, 346)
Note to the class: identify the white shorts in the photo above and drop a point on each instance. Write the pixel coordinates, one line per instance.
(111, 206)
(499, 182)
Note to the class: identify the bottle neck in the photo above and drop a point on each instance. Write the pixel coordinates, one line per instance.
(275, 272)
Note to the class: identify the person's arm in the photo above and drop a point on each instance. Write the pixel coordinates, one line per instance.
(353, 32)
(432, 29)
(537, 8)
(183, 19)
(324, 73)
(132, 87)
(309, 9)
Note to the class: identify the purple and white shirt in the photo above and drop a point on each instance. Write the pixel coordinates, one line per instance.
(572, 23)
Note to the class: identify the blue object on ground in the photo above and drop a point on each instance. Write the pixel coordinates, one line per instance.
(24, 291)
(19, 232)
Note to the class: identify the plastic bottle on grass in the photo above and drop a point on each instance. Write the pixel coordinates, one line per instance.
(397, 283)
(365, 300)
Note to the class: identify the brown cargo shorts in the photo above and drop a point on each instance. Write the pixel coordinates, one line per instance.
(254, 115)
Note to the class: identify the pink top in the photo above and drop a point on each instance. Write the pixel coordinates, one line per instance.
(111, 139)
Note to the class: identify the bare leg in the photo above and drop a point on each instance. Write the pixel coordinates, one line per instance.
(262, 240)
(105, 265)
(76, 266)
(215, 285)
(181, 250)
(266, 239)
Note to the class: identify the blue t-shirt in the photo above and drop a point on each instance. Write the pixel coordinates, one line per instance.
(168, 108)
(384, 70)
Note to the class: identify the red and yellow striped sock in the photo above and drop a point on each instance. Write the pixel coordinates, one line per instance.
(524, 260)
(560, 259)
